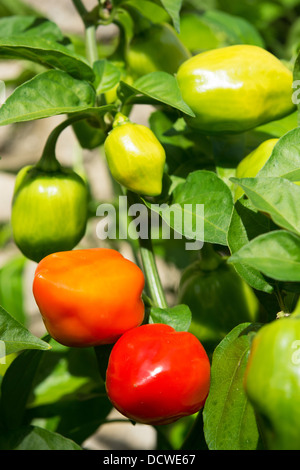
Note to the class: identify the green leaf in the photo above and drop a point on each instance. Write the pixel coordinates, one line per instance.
(67, 385)
(173, 7)
(12, 295)
(160, 87)
(47, 94)
(16, 337)
(277, 197)
(284, 161)
(232, 29)
(207, 189)
(229, 419)
(275, 254)
(246, 224)
(16, 386)
(63, 416)
(29, 26)
(148, 9)
(65, 374)
(107, 76)
(36, 438)
(45, 51)
(280, 127)
(179, 317)
(17, 7)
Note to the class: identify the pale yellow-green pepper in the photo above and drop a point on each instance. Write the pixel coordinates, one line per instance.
(235, 89)
(135, 157)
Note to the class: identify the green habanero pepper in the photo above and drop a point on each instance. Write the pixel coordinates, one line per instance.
(135, 157)
(217, 296)
(272, 382)
(234, 89)
(156, 49)
(49, 209)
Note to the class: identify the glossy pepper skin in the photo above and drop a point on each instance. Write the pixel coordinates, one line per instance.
(156, 49)
(135, 157)
(156, 375)
(234, 89)
(49, 211)
(253, 163)
(218, 298)
(88, 297)
(272, 382)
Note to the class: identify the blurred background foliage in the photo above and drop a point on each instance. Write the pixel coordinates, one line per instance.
(276, 21)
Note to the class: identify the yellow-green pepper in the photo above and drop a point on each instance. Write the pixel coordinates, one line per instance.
(49, 210)
(272, 382)
(135, 157)
(235, 89)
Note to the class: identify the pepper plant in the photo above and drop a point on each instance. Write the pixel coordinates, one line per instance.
(221, 150)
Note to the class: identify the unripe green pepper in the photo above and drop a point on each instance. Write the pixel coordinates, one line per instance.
(135, 157)
(253, 163)
(272, 382)
(235, 89)
(217, 296)
(49, 210)
(156, 49)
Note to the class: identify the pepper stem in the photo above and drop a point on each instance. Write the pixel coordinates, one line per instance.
(48, 160)
(152, 275)
(149, 264)
(120, 119)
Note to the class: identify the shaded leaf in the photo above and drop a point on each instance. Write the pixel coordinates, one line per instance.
(229, 419)
(36, 438)
(16, 387)
(275, 254)
(246, 224)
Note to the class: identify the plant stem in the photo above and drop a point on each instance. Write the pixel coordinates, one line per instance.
(152, 275)
(91, 44)
(280, 299)
(90, 32)
(48, 161)
(80, 8)
(149, 263)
